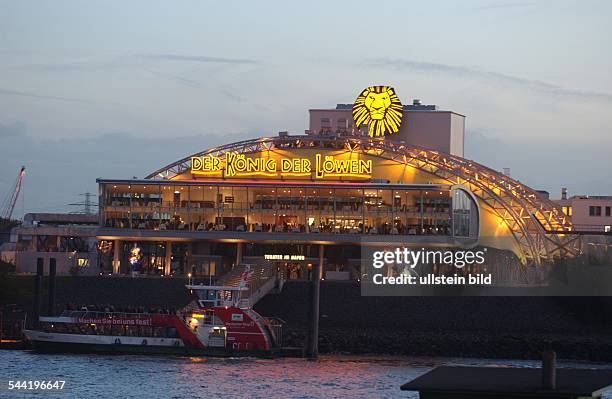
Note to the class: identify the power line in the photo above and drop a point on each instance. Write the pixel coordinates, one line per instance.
(87, 205)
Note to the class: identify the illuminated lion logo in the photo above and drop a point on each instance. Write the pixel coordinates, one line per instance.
(380, 109)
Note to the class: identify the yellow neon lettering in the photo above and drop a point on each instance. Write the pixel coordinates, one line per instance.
(236, 164)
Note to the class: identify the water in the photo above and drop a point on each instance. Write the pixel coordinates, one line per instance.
(116, 376)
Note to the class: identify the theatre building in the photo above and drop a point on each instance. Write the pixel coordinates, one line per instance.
(293, 200)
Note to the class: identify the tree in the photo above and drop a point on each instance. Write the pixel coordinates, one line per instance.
(8, 224)
(6, 268)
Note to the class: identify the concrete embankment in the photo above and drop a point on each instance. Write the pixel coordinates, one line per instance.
(511, 327)
(501, 327)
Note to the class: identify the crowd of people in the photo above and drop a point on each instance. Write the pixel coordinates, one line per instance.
(398, 228)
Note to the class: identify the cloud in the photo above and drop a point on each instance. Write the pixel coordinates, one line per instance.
(494, 78)
(44, 97)
(126, 61)
(193, 83)
(59, 169)
(548, 158)
(196, 58)
(13, 129)
(503, 6)
(180, 79)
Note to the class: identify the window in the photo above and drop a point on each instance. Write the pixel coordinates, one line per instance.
(567, 210)
(465, 215)
(607, 211)
(594, 210)
(607, 229)
(325, 122)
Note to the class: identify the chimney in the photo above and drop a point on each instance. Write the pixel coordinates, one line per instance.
(563, 193)
(549, 370)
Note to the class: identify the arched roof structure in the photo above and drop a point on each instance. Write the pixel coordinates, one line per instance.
(539, 226)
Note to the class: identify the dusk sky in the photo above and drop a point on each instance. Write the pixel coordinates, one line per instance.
(117, 89)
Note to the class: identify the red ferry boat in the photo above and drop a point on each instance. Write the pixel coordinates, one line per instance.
(222, 324)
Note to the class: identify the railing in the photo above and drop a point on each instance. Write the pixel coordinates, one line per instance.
(276, 325)
(101, 315)
(441, 227)
(262, 280)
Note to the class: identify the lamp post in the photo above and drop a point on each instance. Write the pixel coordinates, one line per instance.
(189, 278)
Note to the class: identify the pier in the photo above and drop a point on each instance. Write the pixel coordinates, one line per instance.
(511, 383)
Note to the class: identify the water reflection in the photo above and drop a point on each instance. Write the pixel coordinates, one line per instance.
(200, 377)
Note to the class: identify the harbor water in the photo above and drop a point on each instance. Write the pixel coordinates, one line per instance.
(118, 376)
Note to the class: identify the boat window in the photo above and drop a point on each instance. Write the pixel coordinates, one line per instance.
(118, 330)
(145, 331)
(131, 331)
(159, 332)
(90, 329)
(74, 329)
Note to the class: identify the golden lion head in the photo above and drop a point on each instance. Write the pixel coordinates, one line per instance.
(380, 109)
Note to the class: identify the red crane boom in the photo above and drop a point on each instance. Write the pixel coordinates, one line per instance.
(7, 212)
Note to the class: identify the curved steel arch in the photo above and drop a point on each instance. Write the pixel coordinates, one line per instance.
(536, 223)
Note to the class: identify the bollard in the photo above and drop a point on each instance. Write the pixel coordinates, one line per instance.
(37, 290)
(312, 342)
(549, 370)
(52, 272)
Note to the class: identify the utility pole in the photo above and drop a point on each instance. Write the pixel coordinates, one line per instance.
(86, 205)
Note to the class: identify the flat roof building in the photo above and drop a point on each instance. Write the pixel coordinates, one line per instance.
(70, 239)
(589, 213)
(424, 126)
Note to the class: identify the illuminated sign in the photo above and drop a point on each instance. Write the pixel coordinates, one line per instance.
(236, 165)
(132, 321)
(283, 257)
(380, 109)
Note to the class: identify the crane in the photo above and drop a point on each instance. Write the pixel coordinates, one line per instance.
(11, 198)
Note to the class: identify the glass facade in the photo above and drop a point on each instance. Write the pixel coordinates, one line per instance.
(465, 214)
(263, 208)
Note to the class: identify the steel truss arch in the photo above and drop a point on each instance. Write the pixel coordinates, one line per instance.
(537, 224)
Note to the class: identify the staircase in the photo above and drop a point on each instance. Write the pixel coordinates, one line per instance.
(262, 280)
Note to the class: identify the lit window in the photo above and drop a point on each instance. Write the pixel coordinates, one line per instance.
(607, 229)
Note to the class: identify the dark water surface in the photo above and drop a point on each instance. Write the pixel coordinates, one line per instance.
(96, 376)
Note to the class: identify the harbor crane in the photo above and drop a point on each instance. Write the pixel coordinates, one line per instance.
(8, 206)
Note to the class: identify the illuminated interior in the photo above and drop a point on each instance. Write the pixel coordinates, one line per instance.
(257, 207)
(348, 185)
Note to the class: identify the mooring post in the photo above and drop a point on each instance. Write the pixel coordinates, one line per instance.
(549, 370)
(312, 350)
(37, 290)
(52, 270)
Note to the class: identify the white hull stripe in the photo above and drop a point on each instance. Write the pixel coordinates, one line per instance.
(243, 333)
(100, 339)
